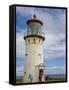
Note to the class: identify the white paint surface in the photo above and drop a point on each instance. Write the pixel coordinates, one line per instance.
(33, 58)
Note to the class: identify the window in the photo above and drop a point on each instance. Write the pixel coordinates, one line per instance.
(33, 40)
(26, 54)
(28, 40)
(39, 40)
(25, 73)
(39, 54)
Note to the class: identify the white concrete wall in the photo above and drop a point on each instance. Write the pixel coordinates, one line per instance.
(33, 58)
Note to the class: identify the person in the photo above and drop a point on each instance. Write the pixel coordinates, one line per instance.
(30, 77)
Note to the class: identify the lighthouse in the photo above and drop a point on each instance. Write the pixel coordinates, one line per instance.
(34, 65)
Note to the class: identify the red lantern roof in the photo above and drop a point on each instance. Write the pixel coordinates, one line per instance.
(34, 20)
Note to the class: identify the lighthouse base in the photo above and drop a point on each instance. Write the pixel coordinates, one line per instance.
(36, 76)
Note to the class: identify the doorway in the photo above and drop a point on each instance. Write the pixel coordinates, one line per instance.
(40, 75)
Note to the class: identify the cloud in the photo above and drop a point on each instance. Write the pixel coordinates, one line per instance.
(20, 53)
(54, 46)
(20, 44)
(19, 71)
(54, 30)
(23, 10)
(56, 70)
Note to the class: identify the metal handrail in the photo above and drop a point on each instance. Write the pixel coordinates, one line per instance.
(39, 34)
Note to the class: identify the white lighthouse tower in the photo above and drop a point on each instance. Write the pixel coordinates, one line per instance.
(34, 38)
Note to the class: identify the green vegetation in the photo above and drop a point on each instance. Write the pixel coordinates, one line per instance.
(51, 79)
(55, 80)
(19, 81)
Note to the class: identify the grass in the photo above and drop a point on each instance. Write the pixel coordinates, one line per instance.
(19, 81)
(55, 80)
(49, 80)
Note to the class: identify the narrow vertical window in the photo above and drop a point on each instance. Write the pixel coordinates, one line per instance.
(39, 56)
(25, 73)
(39, 40)
(33, 40)
(26, 54)
(28, 40)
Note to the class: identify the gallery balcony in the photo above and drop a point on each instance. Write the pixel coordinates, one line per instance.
(39, 34)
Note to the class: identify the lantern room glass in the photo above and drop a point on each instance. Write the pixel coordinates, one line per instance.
(34, 28)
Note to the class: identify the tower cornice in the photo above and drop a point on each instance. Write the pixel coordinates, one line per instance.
(39, 36)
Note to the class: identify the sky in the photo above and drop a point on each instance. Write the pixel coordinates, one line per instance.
(54, 29)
